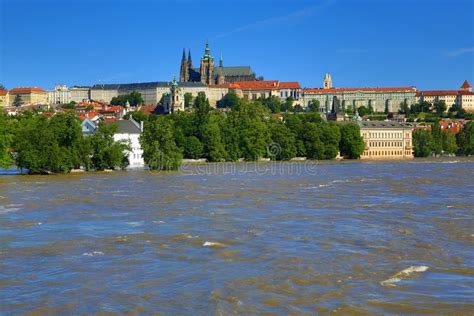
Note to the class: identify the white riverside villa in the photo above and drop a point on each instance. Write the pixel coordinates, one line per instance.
(130, 130)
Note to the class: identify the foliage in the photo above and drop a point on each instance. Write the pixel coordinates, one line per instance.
(193, 148)
(440, 107)
(352, 144)
(134, 99)
(423, 143)
(17, 102)
(273, 103)
(105, 152)
(283, 145)
(2, 87)
(138, 116)
(287, 106)
(230, 100)
(6, 140)
(465, 140)
(362, 110)
(313, 105)
(159, 148)
(70, 106)
(188, 98)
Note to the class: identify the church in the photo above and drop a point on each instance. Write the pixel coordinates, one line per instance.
(209, 74)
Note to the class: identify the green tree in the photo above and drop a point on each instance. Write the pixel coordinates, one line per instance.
(423, 143)
(449, 143)
(352, 144)
(159, 148)
(69, 106)
(138, 116)
(212, 140)
(134, 99)
(273, 103)
(6, 140)
(437, 135)
(17, 102)
(283, 145)
(2, 87)
(404, 108)
(230, 100)
(465, 139)
(362, 110)
(106, 153)
(193, 148)
(313, 144)
(188, 98)
(314, 105)
(287, 106)
(440, 107)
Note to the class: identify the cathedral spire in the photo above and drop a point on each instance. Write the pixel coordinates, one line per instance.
(183, 71)
(221, 63)
(190, 61)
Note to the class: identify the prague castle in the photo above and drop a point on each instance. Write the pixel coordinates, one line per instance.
(209, 74)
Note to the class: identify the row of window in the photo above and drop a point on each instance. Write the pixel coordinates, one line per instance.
(381, 153)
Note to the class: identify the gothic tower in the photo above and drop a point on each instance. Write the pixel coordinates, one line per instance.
(184, 71)
(327, 81)
(207, 67)
(220, 72)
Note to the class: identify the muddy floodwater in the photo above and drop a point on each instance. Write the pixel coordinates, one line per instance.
(299, 238)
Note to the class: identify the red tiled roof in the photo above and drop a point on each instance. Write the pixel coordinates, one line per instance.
(466, 85)
(90, 115)
(25, 90)
(340, 90)
(113, 108)
(147, 109)
(3, 92)
(438, 93)
(48, 114)
(289, 85)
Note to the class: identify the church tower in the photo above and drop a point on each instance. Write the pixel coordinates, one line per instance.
(220, 72)
(184, 70)
(327, 81)
(207, 67)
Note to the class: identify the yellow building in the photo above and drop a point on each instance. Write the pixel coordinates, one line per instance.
(463, 97)
(3, 98)
(386, 140)
(29, 96)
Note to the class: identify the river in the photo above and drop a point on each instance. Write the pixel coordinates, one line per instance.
(283, 238)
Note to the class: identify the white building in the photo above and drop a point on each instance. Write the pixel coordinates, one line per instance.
(463, 97)
(79, 94)
(60, 95)
(130, 131)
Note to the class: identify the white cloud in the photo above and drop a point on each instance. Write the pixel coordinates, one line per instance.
(459, 52)
(293, 16)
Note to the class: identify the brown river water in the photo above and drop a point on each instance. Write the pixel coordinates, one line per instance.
(305, 238)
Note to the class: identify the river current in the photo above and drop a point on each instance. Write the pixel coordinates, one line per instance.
(281, 238)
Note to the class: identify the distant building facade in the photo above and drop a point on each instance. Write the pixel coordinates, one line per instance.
(210, 74)
(60, 95)
(154, 92)
(379, 99)
(463, 97)
(4, 98)
(253, 90)
(386, 140)
(79, 94)
(29, 96)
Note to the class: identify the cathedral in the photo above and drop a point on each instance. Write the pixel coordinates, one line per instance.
(209, 74)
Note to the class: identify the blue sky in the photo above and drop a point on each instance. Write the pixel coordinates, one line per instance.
(427, 44)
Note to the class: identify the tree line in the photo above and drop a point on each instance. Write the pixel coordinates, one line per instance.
(437, 142)
(246, 131)
(57, 145)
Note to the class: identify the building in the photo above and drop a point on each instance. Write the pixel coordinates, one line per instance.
(130, 131)
(3, 98)
(386, 140)
(209, 74)
(253, 90)
(29, 96)
(79, 94)
(153, 92)
(379, 99)
(464, 97)
(60, 95)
